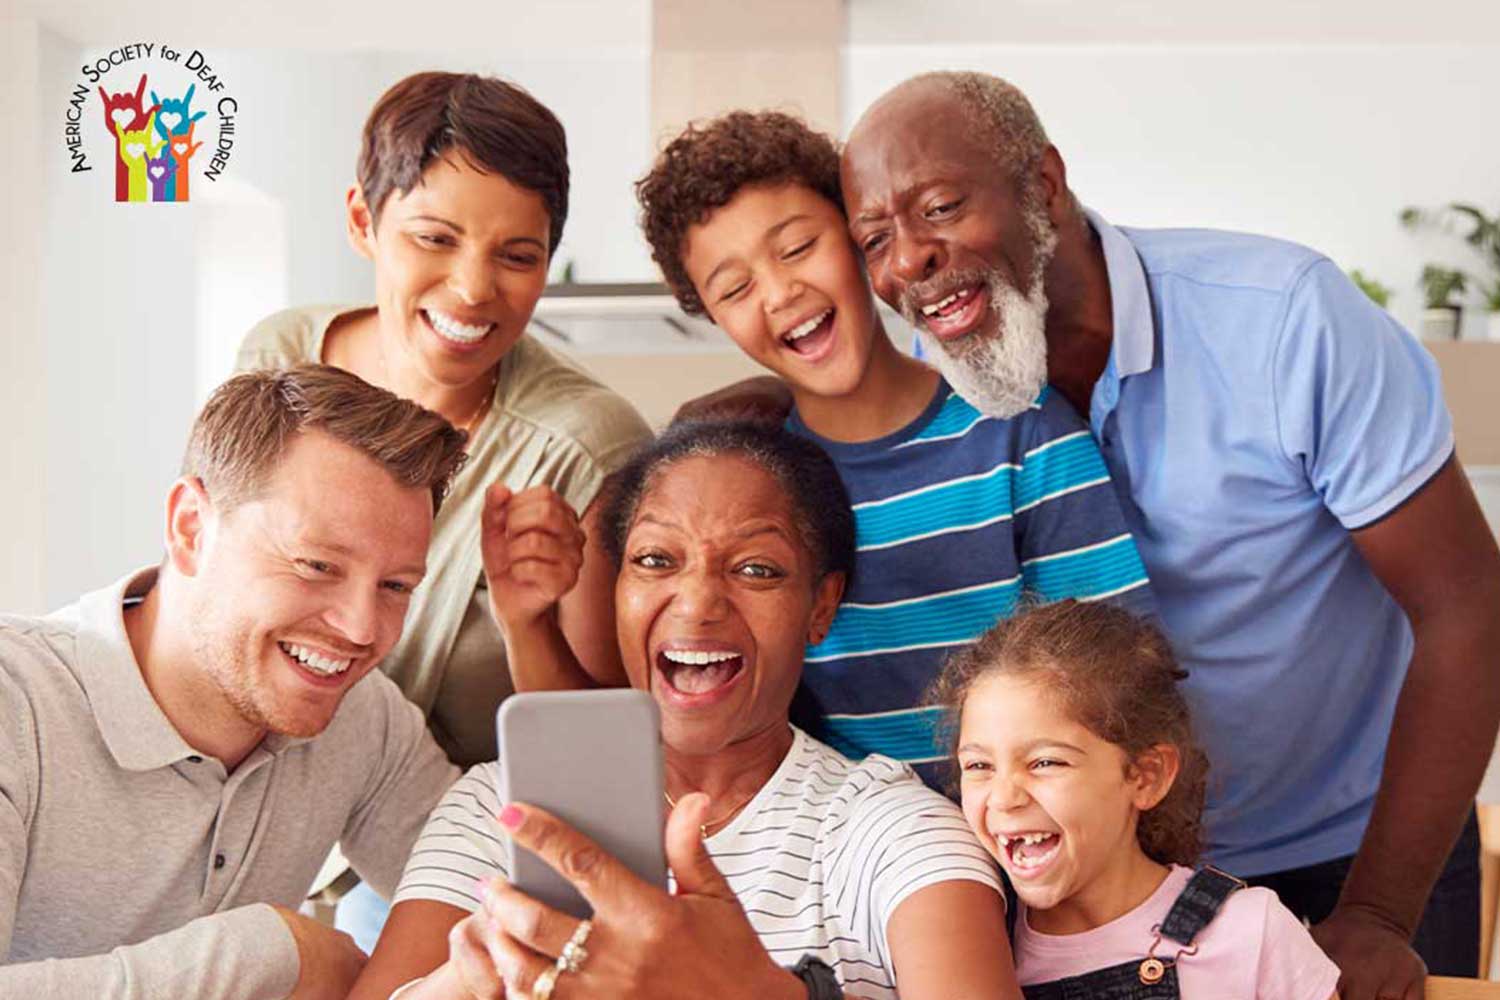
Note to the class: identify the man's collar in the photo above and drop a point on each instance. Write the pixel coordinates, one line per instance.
(138, 733)
(1134, 348)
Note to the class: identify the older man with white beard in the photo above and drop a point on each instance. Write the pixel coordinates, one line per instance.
(998, 375)
(1286, 465)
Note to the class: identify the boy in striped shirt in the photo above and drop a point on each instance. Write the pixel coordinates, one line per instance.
(957, 514)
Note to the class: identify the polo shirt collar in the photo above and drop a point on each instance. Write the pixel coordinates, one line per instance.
(138, 733)
(1134, 348)
(136, 730)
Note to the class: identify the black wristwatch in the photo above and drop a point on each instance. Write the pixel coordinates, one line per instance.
(819, 979)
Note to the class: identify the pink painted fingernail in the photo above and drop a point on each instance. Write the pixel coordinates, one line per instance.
(510, 817)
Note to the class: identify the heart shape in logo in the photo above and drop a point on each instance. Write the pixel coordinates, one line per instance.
(134, 150)
(122, 117)
(171, 119)
(158, 171)
(180, 148)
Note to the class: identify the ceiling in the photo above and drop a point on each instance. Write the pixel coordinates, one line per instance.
(492, 26)
(1172, 22)
(581, 25)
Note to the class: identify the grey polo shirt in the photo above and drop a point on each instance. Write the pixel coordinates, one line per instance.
(131, 866)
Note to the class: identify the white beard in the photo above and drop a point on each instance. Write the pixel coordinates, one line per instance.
(1001, 374)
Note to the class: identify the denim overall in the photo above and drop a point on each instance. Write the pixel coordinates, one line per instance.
(1151, 977)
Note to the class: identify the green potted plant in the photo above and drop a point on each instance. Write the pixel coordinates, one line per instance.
(1492, 306)
(1440, 286)
(1482, 233)
(1379, 294)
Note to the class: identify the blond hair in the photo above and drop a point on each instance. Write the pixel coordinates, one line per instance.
(248, 422)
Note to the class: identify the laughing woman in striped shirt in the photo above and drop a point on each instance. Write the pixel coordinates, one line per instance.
(957, 514)
(734, 543)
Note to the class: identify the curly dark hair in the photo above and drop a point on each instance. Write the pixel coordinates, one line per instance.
(820, 505)
(705, 167)
(1115, 673)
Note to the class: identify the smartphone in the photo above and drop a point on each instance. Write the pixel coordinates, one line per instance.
(594, 760)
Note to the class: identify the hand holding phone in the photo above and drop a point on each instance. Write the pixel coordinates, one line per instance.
(593, 759)
(695, 942)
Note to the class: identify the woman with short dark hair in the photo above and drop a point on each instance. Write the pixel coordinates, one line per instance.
(459, 203)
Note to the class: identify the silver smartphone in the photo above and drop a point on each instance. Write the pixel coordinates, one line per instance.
(593, 759)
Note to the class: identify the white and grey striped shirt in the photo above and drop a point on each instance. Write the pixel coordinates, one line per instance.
(820, 858)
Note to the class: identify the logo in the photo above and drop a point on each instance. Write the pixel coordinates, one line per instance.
(163, 116)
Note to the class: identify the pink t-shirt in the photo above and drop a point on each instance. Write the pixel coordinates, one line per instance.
(1254, 949)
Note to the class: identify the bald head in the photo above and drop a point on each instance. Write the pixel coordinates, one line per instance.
(994, 119)
(954, 197)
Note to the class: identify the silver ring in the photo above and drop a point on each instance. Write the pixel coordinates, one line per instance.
(574, 954)
(545, 983)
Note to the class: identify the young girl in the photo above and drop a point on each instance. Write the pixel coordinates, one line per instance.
(1079, 772)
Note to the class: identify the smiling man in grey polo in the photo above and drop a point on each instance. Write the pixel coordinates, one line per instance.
(179, 752)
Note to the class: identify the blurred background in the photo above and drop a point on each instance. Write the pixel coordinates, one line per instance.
(1317, 122)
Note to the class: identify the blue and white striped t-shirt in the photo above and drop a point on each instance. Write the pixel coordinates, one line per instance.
(956, 516)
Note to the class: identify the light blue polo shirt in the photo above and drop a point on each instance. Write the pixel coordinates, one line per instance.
(1256, 408)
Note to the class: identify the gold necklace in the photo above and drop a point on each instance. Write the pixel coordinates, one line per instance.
(484, 403)
(485, 400)
(703, 827)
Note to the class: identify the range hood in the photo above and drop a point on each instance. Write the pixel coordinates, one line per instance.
(622, 318)
(640, 318)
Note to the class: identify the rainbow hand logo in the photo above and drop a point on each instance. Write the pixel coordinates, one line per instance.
(136, 147)
(175, 120)
(152, 146)
(123, 111)
(182, 148)
(161, 171)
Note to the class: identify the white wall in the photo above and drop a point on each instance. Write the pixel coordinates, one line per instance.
(1171, 22)
(118, 286)
(24, 451)
(146, 303)
(1319, 144)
